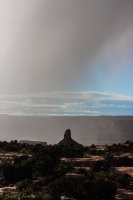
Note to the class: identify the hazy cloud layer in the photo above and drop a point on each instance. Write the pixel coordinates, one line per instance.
(67, 103)
(48, 45)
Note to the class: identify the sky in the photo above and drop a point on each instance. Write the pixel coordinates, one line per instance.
(66, 57)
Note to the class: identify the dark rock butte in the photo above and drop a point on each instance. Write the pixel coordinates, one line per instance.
(68, 141)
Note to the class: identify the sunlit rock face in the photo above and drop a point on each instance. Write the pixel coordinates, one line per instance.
(68, 141)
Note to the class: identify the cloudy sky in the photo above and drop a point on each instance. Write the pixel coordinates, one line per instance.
(66, 57)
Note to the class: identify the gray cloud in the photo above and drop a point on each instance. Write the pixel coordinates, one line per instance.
(66, 103)
(50, 45)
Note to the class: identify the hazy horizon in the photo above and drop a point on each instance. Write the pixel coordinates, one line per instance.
(85, 129)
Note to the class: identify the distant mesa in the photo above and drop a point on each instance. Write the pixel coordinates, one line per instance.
(68, 141)
(30, 142)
